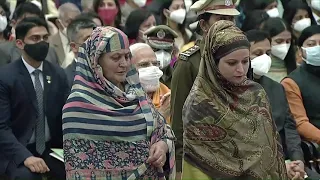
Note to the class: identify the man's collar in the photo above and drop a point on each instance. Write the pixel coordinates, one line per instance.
(30, 68)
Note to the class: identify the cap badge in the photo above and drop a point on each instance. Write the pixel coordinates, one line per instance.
(228, 2)
(161, 34)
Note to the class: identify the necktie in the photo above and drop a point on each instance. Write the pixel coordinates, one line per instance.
(40, 124)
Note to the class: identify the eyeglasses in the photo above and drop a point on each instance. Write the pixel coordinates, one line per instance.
(148, 63)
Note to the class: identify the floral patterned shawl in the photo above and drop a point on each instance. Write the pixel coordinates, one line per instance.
(228, 129)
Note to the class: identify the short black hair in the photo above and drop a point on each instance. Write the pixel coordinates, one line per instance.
(275, 26)
(249, 5)
(27, 8)
(90, 15)
(254, 19)
(308, 32)
(135, 19)
(257, 36)
(28, 23)
(78, 24)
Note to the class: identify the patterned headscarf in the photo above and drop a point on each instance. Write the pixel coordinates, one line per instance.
(228, 128)
(105, 40)
(93, 97)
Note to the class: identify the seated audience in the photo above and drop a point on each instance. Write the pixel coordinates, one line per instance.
(260, 51)
(8, 50)
(298, 15)
(33, 92)
(147, 65)
(302, 86)
(282, 49)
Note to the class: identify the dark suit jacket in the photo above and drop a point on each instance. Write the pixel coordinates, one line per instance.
(71, 72)
(18, 107)
(9, 53)
(282, 116)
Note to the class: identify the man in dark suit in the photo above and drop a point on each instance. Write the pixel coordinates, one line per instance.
(8, 50)
(78, 32)
(33, 93)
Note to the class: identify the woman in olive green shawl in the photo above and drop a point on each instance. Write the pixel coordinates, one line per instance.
(228, 128)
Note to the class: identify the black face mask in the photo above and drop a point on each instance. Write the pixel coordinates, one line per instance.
(37, 51)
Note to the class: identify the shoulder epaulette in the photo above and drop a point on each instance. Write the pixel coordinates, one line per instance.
(189, 52)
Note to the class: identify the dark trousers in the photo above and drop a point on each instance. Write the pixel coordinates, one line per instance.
(21, 172)
(312, 174)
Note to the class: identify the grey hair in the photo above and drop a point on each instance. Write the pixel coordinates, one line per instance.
(87, 4)
(76, 25)
(137, 46)
(66, 8)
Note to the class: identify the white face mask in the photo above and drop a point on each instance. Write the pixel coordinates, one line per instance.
(261, 65)
(3, 23)
(178, 16)
(302, 24)
(164, 57)
(315, 4)
(149, 78)
(140, 3)
(273, 12)
(143, 37)
(280, 51)
(188, 4)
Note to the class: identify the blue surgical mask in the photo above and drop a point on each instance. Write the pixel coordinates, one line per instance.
(313, 55)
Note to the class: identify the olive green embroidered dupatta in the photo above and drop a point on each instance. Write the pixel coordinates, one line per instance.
(228, 129)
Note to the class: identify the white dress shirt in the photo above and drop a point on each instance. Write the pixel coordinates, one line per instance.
(30, 70)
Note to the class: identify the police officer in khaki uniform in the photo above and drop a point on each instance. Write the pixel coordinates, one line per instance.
(161, 39)
(187, 66)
